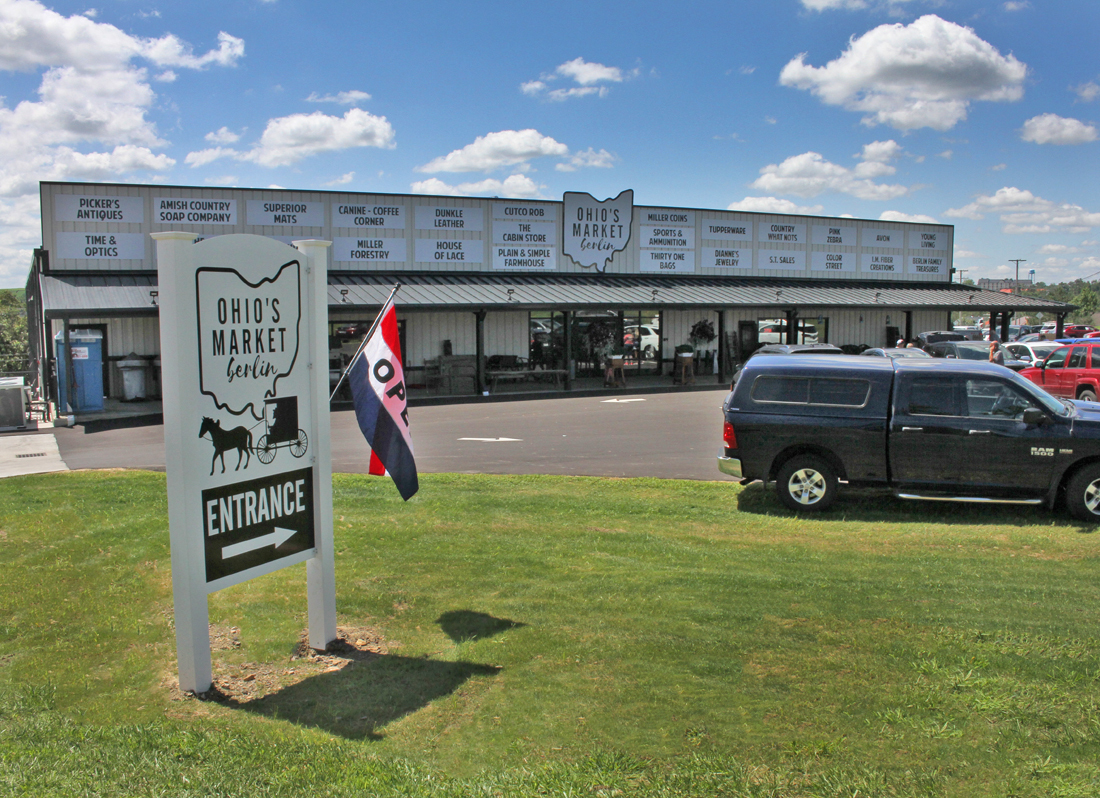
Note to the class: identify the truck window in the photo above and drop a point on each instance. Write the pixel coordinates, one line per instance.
(837, 392)
(932, 396)
(994, 399)
(824, 391)
(1095, 357)
(1077, 359)
(786, 390)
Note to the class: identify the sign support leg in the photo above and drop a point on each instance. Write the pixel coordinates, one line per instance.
(321, 568)
(176, 286)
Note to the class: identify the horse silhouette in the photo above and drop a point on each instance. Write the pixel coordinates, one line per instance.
(239, 438)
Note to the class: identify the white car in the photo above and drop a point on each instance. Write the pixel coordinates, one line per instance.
(642, 337)
(1034, 352)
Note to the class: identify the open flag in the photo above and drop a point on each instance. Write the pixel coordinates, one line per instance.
(378, 391)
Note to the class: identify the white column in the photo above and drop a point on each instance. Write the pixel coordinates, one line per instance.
(179, 367)
(321, 568)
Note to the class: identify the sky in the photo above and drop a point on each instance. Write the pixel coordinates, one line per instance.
(983, 115)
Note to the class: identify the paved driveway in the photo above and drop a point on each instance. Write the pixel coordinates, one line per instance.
(671, 435)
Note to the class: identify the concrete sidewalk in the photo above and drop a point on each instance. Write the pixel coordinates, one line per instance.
(35, 453)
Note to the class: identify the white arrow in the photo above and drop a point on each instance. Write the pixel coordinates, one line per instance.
(276, 539)
(620, 401)
(492, 440)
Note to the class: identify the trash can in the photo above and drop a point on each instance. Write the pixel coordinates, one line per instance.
(87, 351)
(133, 377)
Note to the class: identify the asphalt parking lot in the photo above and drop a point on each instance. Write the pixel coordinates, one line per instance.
(668, 435)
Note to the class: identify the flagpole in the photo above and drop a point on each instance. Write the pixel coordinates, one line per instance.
(363, 343)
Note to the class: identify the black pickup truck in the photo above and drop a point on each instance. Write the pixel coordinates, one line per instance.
(928, 429)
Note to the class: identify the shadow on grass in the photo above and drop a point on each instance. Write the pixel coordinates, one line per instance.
(366, 694)
(463, 626)
(881, 505)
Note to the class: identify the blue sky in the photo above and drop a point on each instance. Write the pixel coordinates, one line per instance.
(983, 115)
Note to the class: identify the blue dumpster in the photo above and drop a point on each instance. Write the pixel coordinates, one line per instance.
(87, 349)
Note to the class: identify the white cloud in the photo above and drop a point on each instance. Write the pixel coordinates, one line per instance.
(747, 70)
(203, 157)
(560, 95)
(966, 253)
(588, 159)
(774, 205)
(342, 180)
(288, 139)
(588, 76)
(519, 186)
(1054, 129)
(898, 216)
(223, 135)
(1021, 211)
(1057, 249)
(587, 73)
(924, 74)
(771, 120)
(1016, 5)
(1087, 92)
(87, 120)
(809, 174)
(495, 150)
(340, 98)
(947, 155)
(999, 167)
(222, 180)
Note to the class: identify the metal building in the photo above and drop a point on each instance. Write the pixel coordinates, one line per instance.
(491, 285)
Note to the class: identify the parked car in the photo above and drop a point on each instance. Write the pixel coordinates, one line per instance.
(1077, 330)
(1014, 333)
(933, 337)
(893, 352)
(971, 350)
(1072, 371)
(789, 349)
(939, 431)
(1033, 352)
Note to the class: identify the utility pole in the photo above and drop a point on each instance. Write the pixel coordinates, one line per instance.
(1017, 261)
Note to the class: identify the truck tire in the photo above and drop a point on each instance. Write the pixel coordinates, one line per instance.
(1086, 395)
(808, 483)
(1083, 494)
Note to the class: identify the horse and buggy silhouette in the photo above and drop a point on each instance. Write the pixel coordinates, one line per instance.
(281, 431)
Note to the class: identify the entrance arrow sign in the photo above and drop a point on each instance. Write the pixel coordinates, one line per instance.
(276, 539)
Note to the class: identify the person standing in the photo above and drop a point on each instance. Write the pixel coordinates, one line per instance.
(995, 353)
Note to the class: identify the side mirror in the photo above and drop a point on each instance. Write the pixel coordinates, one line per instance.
(1034, 417)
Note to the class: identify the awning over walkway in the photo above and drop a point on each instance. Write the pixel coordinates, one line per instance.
(526, 291)
(134, 295)
(99, 296)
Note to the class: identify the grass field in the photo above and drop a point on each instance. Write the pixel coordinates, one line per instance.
(560, 636)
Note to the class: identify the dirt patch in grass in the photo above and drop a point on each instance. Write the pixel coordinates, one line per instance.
(238, 684)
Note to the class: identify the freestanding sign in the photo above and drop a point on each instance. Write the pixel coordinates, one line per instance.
(243, 323)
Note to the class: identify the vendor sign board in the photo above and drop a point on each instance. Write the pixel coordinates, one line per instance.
(243, 321)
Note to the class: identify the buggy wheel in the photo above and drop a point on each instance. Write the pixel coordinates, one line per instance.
(299, 445)
(265, 451)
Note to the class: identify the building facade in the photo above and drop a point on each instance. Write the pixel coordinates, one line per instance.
(552, 285)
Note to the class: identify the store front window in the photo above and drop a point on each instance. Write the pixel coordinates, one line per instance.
(547, 339)
(807, 331)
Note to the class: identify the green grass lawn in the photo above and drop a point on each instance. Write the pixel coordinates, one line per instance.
(560, 636)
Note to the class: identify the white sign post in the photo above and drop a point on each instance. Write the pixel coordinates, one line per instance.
(244, 348)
